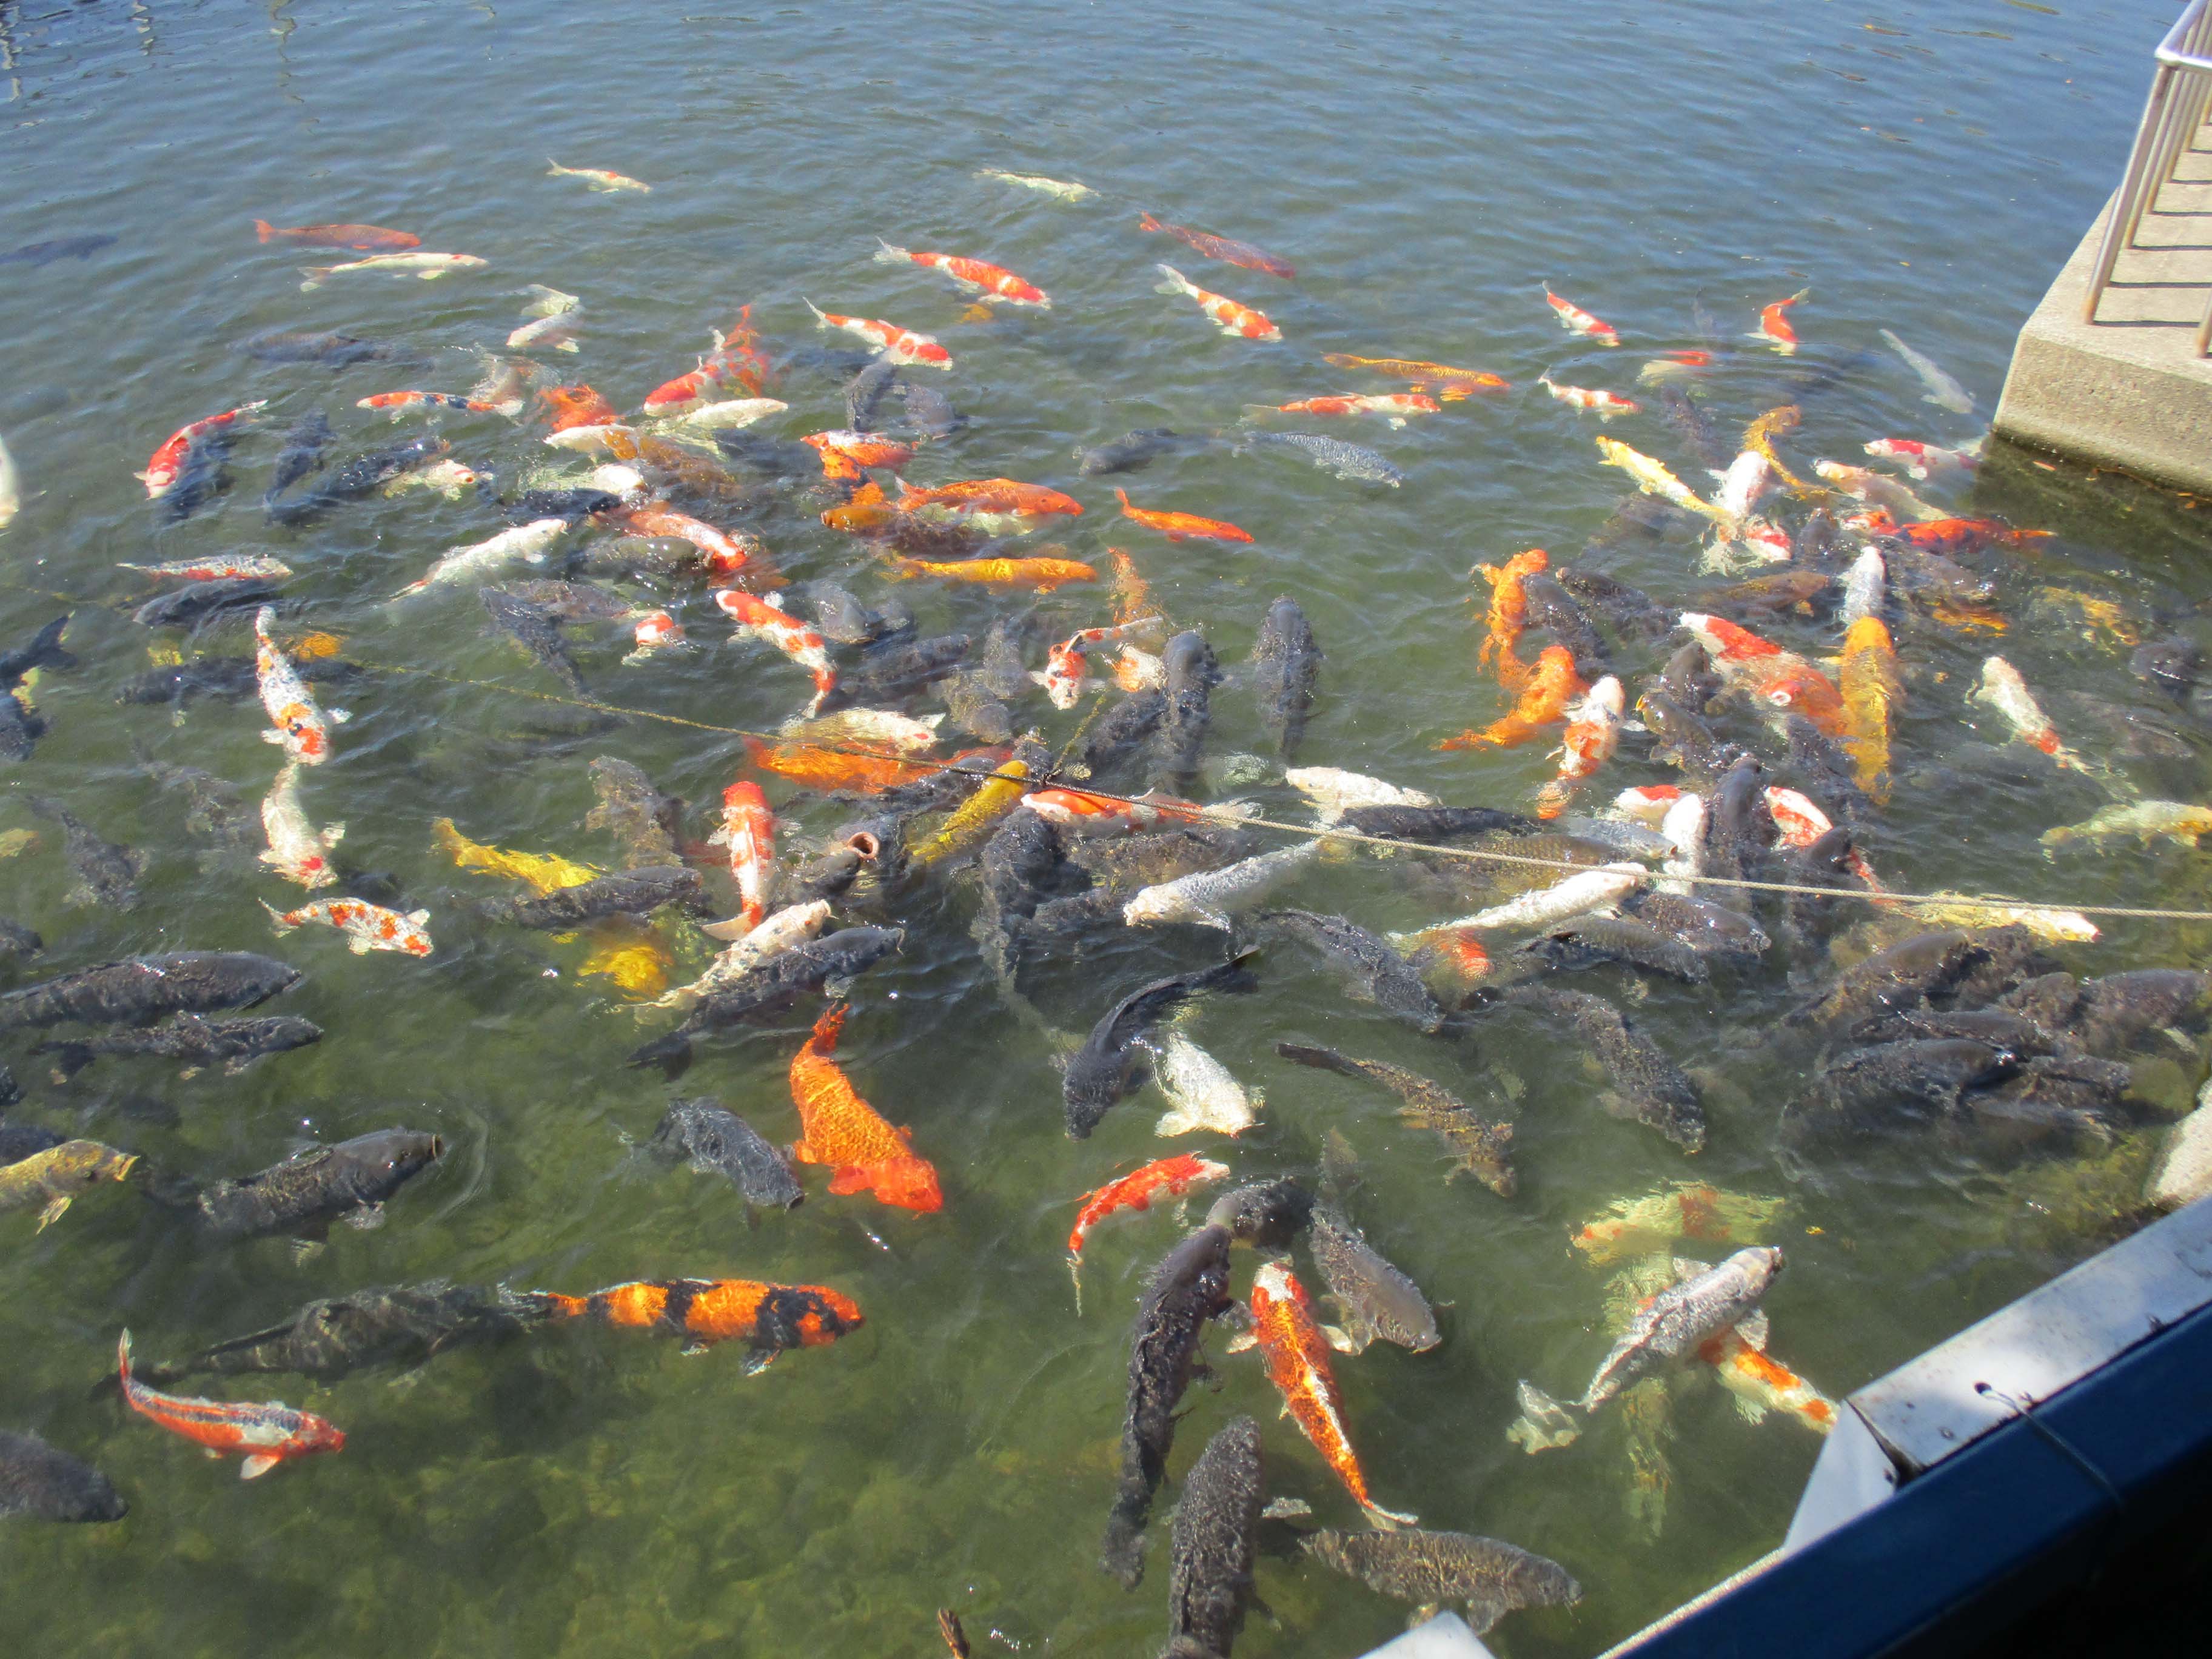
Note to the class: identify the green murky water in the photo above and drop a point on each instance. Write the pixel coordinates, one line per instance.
(1924, 168)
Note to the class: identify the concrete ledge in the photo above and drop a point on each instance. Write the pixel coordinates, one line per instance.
(2127, 390)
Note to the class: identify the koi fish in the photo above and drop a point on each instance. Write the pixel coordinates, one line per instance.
(1925, 461)
(1164, 1177)
(2004, 690)
(1647, 803)
(1450, 384)
(1774, 324)
(543, 873)
(397, 403)
(1653, 478)
(1605, 405)
(656, 631)
(839, 1128)
(1182, 526)
(598, 180)
(1644, 1225)
(1393, 405)
(428, 266)
(269, 1433)
(766, 619)
(64, 1170)
(1761, 1383)
(725, 361)
(883, 730)
(1550, 688)
(735, 412)
(297, 850)
(1296, 1354)
(1576, 320)
(1761, 435)
(1064, 663)
(1799, 822)
(1872, 692)
(749, 831)
(767, 1318)
(989, 495)
(577, 406)
(1084, 814)
(2145, 820)
(232, 567)
(1675, 366)
(973, 274)
(1509, 614)
(1781, 678)
(1593, 733)
(970, 824)
(1228, 315)
(296, 723)
(845, 455)
(1043, 574)
(369, 239)
(728, 552)
(830, 768)
(168, 460)
(1132, 597)
(1066, 190)
(1865, 484)
(900, 345)
(1952, 537)
(1747, 480)
(11, 489)
(367, 926)
(1942, 391)
(1221, 248)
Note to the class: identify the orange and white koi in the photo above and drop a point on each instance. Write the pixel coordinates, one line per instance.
(1450, 384)
(1956, 536)
(1296, 1354)
(866, 1153)
(1221, 248)
(1043, 575)
(1925, 461)
(576, 406)
(1182, 526)
(1647, 803)
(1593, 733)
(428, 266)
(1134, 669)
(972, 274)
(1657, 1221)
(297, 850)
(766, 619)
(846, 455)
(1576, 320)
(749, 831)
(656, 631)
(268, 1432)
(168, 460)
(396, 404)
(1761, 1383)
(1394, 406)
(1063, 677)
(728, 552)
(293, 718)
(1509, 614)
(1604, 404)
(1774, 324)
(369, 239)
(1227, 314)
(900, 345)
(1799, 822)
(1551, 686)
(2004, 690)
(1164, 1177)
(1780, 679)
(217, 569)
(1675, 366)
(367, 926)
(1081, 813)
(832, 768)
(1879, 488)
(598, 180)
(969, 496)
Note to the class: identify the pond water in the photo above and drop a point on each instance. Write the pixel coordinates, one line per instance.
(1922, 167)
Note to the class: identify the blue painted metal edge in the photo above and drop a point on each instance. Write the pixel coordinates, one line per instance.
(2025, 1514)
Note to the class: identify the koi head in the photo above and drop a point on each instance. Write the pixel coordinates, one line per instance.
(316, 1434)
(818, 1315)
(1804, 689)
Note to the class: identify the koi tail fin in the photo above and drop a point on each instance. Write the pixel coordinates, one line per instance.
(277, 918)
(123, 1359)
(316, 276)
(1176, 282)
(543, 1304)
(1075, 1273)
(554, 169)
(672, 1053)
(1544, 1422)
(1145, 221)
(888, 255)
(828, 1029)
(1122, 496)
(264, 230)
(821, 317)
(1551, 799)
(1384, 1520)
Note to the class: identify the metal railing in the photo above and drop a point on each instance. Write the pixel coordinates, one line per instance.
(2180, 93)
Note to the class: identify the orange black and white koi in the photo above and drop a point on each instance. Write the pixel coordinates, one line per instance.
(268, 1432)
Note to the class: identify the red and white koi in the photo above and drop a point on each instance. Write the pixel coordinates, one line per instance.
(1227, 314)
(428, 266)
(1799, 822)
(294, 719)
(727, 552)
(1164, 1177)
(1748, 481)
(765, 618)
(1774, 324)
(297, 850)
(1081, 813)
(899, 344)
(1064, 677)
(269, 1433)
(1925, 461)
(1392, 406)
(749, 831)
(256, 566)
(1761, 1383)
(1879, 489)
(367, 926)
(974, 275)
(2004, 690)
(1675, 366)
(169, 460)
(598, 180)
(655, 632)
(1780, 679)
(1593, 724)
(1604, 404)
(1576, 320)
(1647, 803)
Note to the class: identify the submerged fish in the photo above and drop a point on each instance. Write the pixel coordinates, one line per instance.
(193, 1038)
(1942, 391)
(1107, 1067)
(267, 1434)
(1205, 1095)
(1212, 1544)
(1639, 1226)
(717, 1141)
(39, 1482)
(391, 1325)
(1373, 1299)
(1064, 190)
(1485, 1149)
(1486, 1577)
(139, 990)
(769, 1319)
(1353, 463)
(1376, 973)
(348, 1182)
(1652, 1089)
(58, 1174)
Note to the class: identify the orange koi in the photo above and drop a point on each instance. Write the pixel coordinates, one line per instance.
(168, 460)
(1576, 320)
(1447, 383)
(1228, 315)
(1509, 614)
(1221, 248)
(1951, 536)
(369, 239)
(1296, 1354)
(577, 405)
(767, 619)
(1550, 688)
(1605, 405)
(1762, 1384)
(269, 1432)
(867, 510)
(1081, 813)
(1394, 406)
(728, 552)
(1593, 733)
(832, 768)
(844, 454)
(768, 1318)
(974, 274)
(1165, 1177)
(1043, 574)
(839, 1128)
(1064, 673)
(989, 495)
(1872, 692)
(1774, 324)
(900, 345)
(1133, 599)
(1781, 678)
(1182, 526)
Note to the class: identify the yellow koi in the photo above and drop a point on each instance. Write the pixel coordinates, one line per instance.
(969, 822)
(1653, 478)
(545, 873)
(1873, 694)
(1759, 436)
(630, 955)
